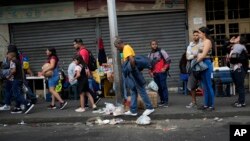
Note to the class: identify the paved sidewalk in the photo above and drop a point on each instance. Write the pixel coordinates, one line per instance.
(176, 110)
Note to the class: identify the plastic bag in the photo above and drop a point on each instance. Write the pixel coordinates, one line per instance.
(143, 120)
(153, 86)
(109, 109)
(119, 110)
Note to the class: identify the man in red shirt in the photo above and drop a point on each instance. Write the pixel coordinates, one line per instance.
(81, 50)
(160, 64)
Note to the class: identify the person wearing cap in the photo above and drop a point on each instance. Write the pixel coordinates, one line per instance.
(204, 54)
(137, 85)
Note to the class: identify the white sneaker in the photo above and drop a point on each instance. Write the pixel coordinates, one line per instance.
(5, 108)
(128, 113)
(94, 107)
(191, 105)
(148, 112)
(80, 110)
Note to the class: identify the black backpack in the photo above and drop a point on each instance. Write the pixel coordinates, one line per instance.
(92, 62)
(240, 58)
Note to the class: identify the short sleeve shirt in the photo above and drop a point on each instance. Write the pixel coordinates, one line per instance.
(18, 74)
(71, 73)
(78, 68)
(55, 58)
(127, 51)
(85, 55)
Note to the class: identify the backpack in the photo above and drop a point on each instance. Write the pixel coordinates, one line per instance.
(240, 58)
(92, 65)
(154, 61)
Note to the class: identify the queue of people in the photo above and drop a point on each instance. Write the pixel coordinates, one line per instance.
(199, 68)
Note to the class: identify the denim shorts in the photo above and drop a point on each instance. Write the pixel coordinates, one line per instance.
(192, 82)
(53, 80)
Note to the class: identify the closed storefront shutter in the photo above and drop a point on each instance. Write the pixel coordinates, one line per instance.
(34, 38)
(168, 28)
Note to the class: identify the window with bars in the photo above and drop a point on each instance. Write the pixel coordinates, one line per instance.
(233, 29)
(218, 32)
(227, 18)
(238, 9)
(215, 10)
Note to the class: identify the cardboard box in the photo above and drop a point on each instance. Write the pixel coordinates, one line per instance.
(153, 96)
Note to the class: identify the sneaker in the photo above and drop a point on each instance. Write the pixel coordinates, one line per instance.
(52, 107)
(28, 108)
(148, 112)
(80, 110)
(239, 105)
(160, 104)
(16, 110)
(202, 108)
(99, 92)
(97, 100)
(62, 105)
(94, 107)
(165, 105)
(210, 109)
(5, 108)
(235, 103)
(191, 105)
(128, 113)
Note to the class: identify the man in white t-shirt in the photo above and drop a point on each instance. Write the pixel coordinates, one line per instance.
(72, 81)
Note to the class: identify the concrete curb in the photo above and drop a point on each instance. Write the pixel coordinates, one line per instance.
(154, 116)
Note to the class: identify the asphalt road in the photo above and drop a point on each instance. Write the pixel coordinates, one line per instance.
(172, 130)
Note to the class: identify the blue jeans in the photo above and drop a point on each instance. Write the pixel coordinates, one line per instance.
(17, 93)
(7, 92)
(161, 81)
(73, 90)
(144, 96)
(238, 78)
(30, 94)
(207, 84)
(124, 88)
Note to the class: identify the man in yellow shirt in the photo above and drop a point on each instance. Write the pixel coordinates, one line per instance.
(128, 56)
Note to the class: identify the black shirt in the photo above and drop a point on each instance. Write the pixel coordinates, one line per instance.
(18, 74)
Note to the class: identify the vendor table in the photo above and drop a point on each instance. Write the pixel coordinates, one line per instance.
(34, 78)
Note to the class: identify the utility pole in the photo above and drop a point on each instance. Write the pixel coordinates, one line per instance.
(115, 53)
